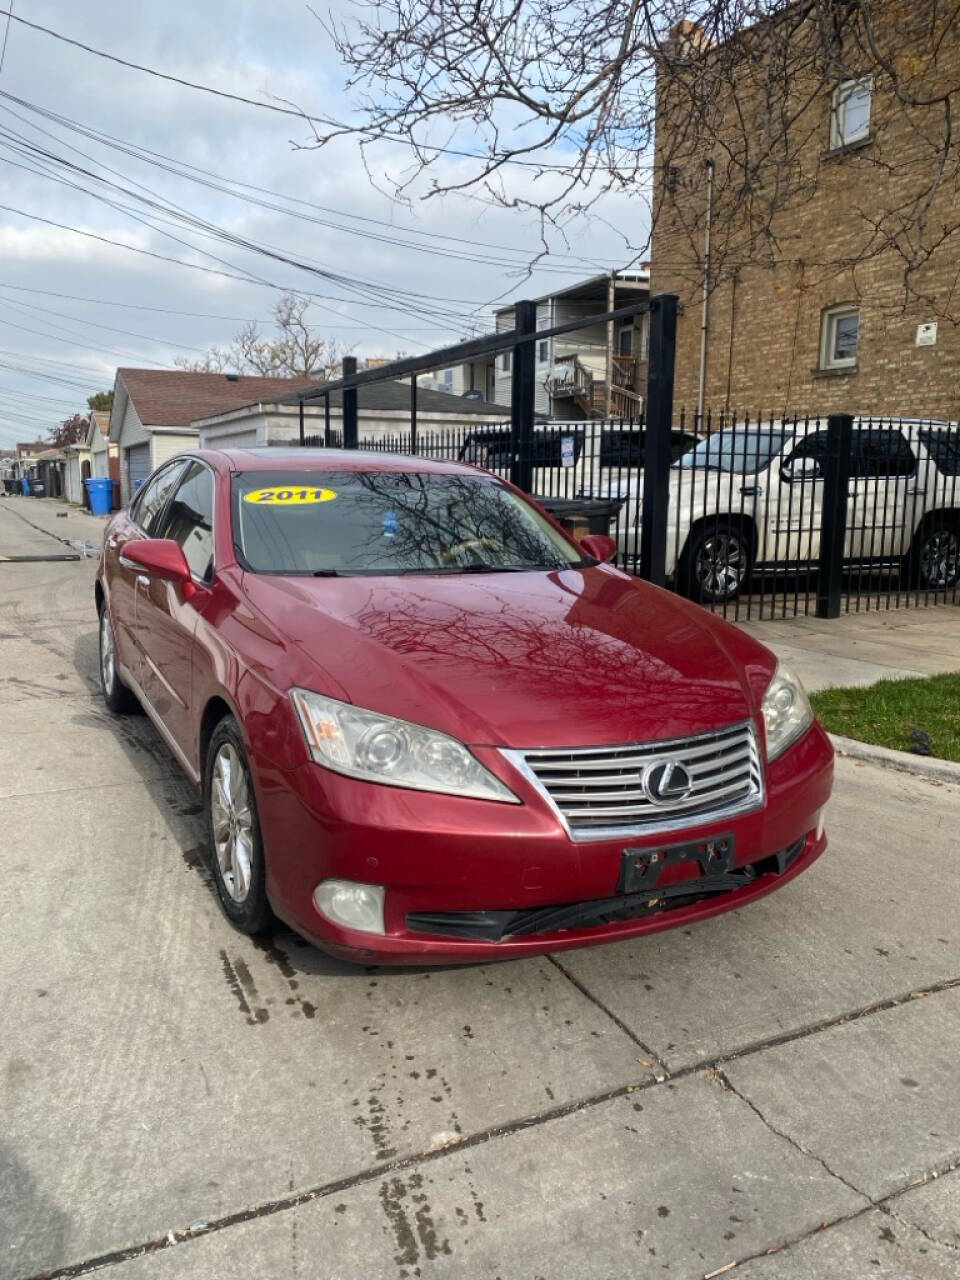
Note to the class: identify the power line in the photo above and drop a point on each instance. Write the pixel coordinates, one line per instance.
(6, 35)
(373, 135)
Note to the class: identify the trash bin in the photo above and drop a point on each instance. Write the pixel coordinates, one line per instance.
(100, 489)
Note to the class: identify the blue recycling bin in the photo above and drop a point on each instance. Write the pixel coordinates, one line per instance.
(100, 490)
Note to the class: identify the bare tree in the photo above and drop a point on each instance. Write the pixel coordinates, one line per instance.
(631, 97)
(294, 350)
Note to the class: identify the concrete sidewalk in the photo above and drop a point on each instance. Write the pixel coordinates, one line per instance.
(861, 648)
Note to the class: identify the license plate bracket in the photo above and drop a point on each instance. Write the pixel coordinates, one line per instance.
(640, 869)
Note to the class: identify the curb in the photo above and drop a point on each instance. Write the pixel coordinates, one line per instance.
(903, 761)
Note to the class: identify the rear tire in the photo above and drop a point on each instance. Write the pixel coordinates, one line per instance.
(933, 563)
(119, 699)
(233, 829)
(715, 563)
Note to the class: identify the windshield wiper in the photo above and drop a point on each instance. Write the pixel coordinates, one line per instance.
(326, 573)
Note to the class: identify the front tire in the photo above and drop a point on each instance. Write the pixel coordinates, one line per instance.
(116, 695)
(715, 563)
(233, 828)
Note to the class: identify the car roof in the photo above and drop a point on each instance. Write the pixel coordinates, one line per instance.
(295, 459)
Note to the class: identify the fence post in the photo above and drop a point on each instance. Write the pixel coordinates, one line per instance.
(350, 432)
(326, 420)
(302, 438)
(523, 395)
(658, 420)
(833, 513)
(413, 413)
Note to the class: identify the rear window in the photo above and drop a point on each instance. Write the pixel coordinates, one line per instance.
(944, 448)
(389, 522)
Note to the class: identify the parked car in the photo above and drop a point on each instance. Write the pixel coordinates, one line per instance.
(746, 502)
(427, 725)
(575, 459)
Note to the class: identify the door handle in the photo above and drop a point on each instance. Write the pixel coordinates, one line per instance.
(752, 490)
(914, 493)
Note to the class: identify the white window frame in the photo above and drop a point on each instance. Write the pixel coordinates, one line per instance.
(839, 138)
(828, 333)
(506, 363)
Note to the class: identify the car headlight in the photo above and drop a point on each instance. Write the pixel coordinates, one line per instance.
(377, 748)
(786, 711)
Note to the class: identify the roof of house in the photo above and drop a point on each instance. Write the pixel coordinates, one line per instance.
(177, 397)
(396, 395)
(594, 288)
(378, 397)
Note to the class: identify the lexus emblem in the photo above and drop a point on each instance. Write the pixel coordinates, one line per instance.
(666, 782)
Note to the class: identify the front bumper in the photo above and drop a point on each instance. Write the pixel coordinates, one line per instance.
(442, 857)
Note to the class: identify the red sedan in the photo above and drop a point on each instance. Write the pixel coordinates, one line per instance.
(428, 725)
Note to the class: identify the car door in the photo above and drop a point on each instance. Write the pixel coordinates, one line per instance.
(883, 493)
(167, 622)
(122, 576)
(795, 501)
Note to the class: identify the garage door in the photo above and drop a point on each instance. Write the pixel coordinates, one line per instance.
(138, 465)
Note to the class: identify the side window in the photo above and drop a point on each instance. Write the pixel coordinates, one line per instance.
(152, 498)
(808, 459)
(189, 519)
(622, 448)
(881, 454)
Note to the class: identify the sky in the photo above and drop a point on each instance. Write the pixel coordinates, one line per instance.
(73, 307)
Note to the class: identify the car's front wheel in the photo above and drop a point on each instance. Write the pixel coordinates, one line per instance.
(116, 695)
(239, 868)
(715, 562)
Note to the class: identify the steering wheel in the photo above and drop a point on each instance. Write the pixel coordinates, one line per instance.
(470, 544)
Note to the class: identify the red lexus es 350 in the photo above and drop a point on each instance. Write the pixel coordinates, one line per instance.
(430, 726)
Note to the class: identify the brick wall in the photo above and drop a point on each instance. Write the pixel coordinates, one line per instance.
(767, 298)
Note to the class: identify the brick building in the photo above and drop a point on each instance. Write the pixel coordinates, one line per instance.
(812, 310)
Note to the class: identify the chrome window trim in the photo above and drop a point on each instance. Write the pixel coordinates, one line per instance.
(676, 822)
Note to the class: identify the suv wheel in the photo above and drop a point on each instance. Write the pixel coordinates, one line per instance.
(116, 695)
(715, 563)
(239, 869)
(937, 558)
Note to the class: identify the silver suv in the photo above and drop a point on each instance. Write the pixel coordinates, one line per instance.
(747, 502)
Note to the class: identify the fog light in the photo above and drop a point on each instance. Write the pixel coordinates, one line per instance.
(820, 822)
(355, 906)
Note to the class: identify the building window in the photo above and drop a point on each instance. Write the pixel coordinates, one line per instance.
(447, 376)
(839, 333)
(644, 335)
(543, 351)
(625, 339)
(505, 361)
(850, 114)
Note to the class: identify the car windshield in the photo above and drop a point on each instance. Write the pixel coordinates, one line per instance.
(742, 451)
(389, 522)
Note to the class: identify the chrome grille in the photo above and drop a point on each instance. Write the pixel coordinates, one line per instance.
(600, 789)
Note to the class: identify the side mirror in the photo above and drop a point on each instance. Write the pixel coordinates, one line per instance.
(161, 558)
(801, 469)
(600, 546)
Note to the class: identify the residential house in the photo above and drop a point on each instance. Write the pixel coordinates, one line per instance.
(154, 411)
(785, 325)
(575, 370)
(383, 410)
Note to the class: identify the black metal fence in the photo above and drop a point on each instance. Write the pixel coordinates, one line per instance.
(756, 517)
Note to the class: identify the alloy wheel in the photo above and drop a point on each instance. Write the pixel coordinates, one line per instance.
(720, 565)
(232, 819)
(940, 559)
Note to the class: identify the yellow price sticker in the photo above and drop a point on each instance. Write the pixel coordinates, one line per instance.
(288, 496)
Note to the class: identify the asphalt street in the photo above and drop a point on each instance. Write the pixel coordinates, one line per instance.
(771, 1095)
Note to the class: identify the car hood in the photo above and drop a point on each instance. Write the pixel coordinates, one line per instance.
(566, 658)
